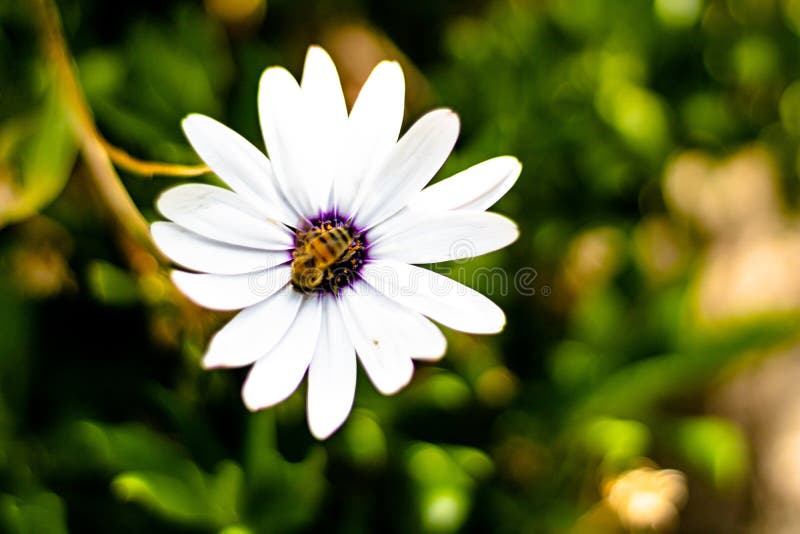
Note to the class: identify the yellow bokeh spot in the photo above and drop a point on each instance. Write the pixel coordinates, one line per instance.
(647, 498)
(678, 13)
(237, 12)
(496, 386)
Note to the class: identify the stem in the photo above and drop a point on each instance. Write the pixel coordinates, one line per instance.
(94, 149)
(149, 168)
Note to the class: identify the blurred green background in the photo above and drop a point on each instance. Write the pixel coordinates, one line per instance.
(647, 376)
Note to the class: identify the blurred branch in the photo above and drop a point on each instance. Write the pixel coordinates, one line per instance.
(97, 153)
(150, 168)
(105, 178)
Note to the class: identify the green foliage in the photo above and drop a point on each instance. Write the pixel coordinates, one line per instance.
(186, 495)
(111, 284)
(717, 448)
(445, 480)
(37, 151)
(39, 512)
(609, 358)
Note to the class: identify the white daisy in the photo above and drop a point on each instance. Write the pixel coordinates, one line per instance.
(317, 243)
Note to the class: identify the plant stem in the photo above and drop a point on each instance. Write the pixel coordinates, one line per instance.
(149, 168)
(96, 151)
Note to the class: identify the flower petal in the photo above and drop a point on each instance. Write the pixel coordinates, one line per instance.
(475, 189)
(426, 341)
(331, 375)
(231, 291)
(222, 215)
(442, 236)
(198, 253)
(436, 296)
(254, 331)
(324, 101)
(239, 164)
(293, 144)
(371, 132)
(410, 165)
(414, 333)
(275, 376)
(381, 347)
(321, 86)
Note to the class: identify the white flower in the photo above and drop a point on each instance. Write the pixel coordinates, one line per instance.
(310, 302)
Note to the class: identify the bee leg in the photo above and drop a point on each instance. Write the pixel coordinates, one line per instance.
(313, 278)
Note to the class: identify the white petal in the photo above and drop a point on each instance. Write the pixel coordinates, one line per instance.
(324, 101)
(436, 296)
(198, 253)
(231, 291)
(222, 215)
(239, 164)
(292, 142)
(371, 132)
(254, 331)
(414, 333)
(332, 375)
(475, 189)
(275, 376)
(442, 236)
(321, 86)
(410, 165)
(426, 341)
(382, 349)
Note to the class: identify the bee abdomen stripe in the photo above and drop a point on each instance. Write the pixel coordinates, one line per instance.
(324, 248)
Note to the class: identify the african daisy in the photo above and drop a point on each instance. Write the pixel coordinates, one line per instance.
(317, 244)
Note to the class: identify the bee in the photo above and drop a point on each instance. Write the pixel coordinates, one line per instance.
(319, 250)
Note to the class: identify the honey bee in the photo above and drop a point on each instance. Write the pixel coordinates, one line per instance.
(319, 250)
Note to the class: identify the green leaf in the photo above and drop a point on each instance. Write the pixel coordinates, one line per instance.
(185, 494)
(112, 285)
(102, 73)
(638, 115)
(717, 448)
(640, 386)
(259, 452)
(285, 496)
(87, 444)
(365, 442)
(443, 389)
(35, 514)
(445, 479)
(154, 472)
(180, 498)
(617, 441)
(36, 158)
(226, 492)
